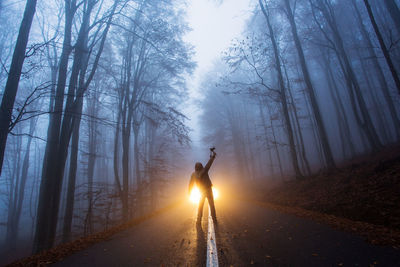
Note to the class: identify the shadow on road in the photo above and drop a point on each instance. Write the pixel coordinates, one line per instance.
(201, 250)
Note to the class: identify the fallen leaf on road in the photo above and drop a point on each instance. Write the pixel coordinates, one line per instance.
(252, 262)
(315, 254)
(268, 256)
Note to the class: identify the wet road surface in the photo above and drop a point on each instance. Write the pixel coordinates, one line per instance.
(246, 235)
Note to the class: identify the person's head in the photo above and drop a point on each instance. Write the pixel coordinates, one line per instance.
(198, 166)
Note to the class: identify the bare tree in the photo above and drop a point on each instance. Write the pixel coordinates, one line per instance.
(63, 120)
(10, 91)
(382, 44)
(364, 120)
(282, 89)
(310, 88)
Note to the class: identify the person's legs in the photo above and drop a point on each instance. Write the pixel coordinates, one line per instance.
(210, 198)
(200, 210)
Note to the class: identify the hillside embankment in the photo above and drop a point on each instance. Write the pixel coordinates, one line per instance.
(364, 192)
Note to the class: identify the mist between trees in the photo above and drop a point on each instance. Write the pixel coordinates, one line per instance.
(306, 88)
(92, 129)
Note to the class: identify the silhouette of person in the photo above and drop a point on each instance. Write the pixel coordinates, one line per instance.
(201, 178)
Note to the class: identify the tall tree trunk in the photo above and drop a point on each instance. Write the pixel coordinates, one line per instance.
(376, 105)
(275, 142)
(41, 238)
(61, 124)
(353, 86)
(92, 110)
(15, 177)
(75, 126)
(66, 130)
(382, 44)
(116, 158)
(268, 146)
(22, 182)
(125, 168)
(296, 122)
(296, 125)
(317, 140)
(69, 209)
(34, 191)
(236, 141)
(344, 119)
(310, 89)
(136, 128)
(283, 100)
(152, 168)
(10, 91)
(251, 153)
(379, 72)
(136, 160)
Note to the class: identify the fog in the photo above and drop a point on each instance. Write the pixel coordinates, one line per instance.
(107, 105)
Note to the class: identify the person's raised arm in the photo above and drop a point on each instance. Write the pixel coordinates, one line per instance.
(210, 161)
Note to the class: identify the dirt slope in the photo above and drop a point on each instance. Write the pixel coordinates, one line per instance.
(367, 189)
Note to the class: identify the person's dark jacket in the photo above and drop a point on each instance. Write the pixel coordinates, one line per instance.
(201, 177)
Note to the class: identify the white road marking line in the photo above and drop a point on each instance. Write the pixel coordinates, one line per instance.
(212, 256)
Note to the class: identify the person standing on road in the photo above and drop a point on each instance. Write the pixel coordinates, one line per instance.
(201, 178)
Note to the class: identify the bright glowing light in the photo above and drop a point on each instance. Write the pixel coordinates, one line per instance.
(215, 193)
(195, 195)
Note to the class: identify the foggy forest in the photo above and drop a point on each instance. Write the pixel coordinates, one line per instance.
(101, 122)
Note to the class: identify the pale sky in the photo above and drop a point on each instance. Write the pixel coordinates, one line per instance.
(213, 27)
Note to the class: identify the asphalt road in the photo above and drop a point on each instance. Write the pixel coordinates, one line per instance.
(246, 235)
